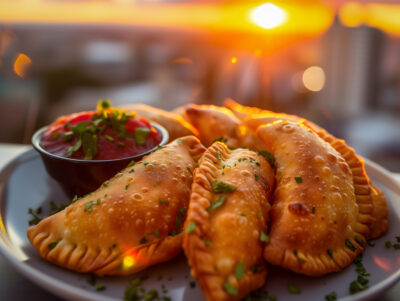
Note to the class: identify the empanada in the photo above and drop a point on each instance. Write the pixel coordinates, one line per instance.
(173, 123)
(227, 222)
(218, 123)
(129, 223)
(317, 226)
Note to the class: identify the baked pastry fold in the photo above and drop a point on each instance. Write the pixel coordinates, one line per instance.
(129, 223)
(317, 224)
(227, 222)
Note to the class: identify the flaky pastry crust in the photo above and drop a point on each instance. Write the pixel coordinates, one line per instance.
(316, 225)
(229, 235)
(129, 223)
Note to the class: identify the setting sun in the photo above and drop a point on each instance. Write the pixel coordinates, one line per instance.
(268, 16)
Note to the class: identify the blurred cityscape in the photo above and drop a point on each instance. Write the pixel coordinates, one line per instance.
(335, 63)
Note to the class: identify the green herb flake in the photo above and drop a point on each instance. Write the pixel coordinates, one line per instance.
(151, 295)
(191, 227)
(132, 170)
(295, 253)
(131, 163)
(331, 297)
(121, 144)
(264, 237)
(239, 270)
(218, 203)
(350, 245)
(219, 155)
(88, 205)
(52, 245)
(91, 280)
(221, 187)
(75, 199)
(56, 136)
(127, 186)
(358, 240)
(179, 140)
(100, 287)
(145, 163)
(313, 210)
(268, 156)
(143, 240)
(208, 242)
(35, 213)
(141, 135)
(156, 233)
(293, 289)
(106, 183)
(109, 138)
(396, 246)
(356, 287)
(257, 177)
(330, 253)
(388, 244)
(298, 179)
(230, 289)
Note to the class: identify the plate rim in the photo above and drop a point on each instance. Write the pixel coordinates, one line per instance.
(65, 290)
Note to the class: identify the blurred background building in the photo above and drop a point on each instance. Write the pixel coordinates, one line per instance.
(334, 62)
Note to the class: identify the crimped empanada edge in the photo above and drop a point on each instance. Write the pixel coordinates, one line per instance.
(199, 258)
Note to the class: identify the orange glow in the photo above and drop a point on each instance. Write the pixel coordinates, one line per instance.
(21, 64)
(383, 16)
(314, 78)
(383, 263)
(234, 60)
(309, 18)
(182, 60)
(127, 262)
(268, 16)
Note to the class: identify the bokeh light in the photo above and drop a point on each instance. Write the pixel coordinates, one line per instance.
(21, 64)
(314, 78)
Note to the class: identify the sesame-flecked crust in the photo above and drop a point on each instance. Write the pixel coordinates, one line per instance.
(132, 218)
(174, 123)
(228, 235)
(314, 215)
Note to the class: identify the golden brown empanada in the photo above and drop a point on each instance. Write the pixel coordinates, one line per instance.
(227, 222)
(219, 123)
(316, 224)
(173, 123)
(380, 213)
(131, 222)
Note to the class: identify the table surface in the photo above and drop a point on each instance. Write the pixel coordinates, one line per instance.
(14, 286)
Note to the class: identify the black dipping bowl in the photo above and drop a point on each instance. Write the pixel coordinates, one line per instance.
(79, 177)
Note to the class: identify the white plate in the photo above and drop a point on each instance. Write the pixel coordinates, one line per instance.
(25, 184)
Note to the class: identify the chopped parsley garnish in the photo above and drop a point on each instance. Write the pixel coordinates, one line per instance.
(143, 240)
(230, 289)
(297, 256)
(218, 203)
(53, 244)
(268, 156)
(179, 140)
(161, 202)
(127, 186)
(221, 187)
(109, 138)
(256, 177)
(141, 135)
(350, 245)
(132, 170)
(191, 227)
(293, 289)
(74, 199)
(388, 244)
(156, 233)
(358, 240)
(219, 155)
(121, 144)
(100, 287)
(88, 205)
(208, 242)
(145, 163)
(57, 208)
(313, 210)
(298, 179)
(331, 297)
(36, 219)
(131, 163)
(220, 139)
(178, 221)
(264, 237)
(330, 253)
(106, 183)
(239, 270)
(56, 136)
(361, 283)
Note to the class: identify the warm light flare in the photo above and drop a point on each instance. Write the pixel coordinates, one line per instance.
(268, 16)
(21, 65)
(234, 60)
(383, 263)
(351, 14)
(314, 78)
(128, 262)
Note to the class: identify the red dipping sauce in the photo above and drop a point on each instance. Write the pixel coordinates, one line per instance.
(103, 135)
